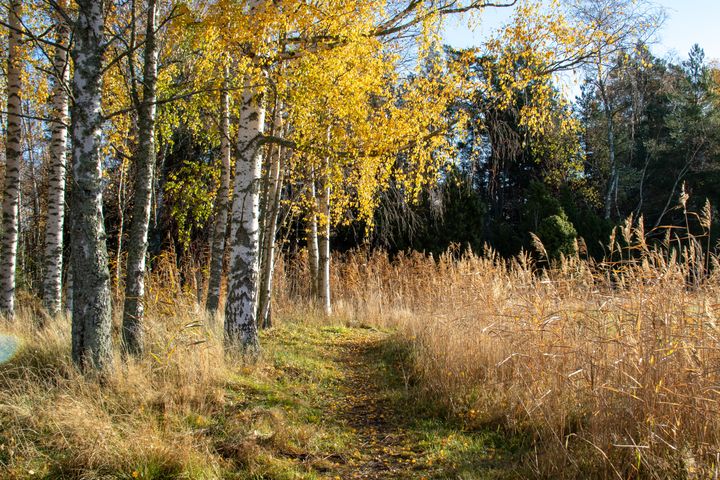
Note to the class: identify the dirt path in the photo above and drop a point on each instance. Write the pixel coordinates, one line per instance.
(385, 448)
(341, 400)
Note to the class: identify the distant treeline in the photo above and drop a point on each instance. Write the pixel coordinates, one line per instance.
(647, 144)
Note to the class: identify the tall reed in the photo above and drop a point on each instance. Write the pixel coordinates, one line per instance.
(607, 370)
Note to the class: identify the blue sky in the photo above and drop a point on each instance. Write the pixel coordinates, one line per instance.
(689, 22)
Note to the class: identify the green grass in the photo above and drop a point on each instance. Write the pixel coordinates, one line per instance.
(303, 387)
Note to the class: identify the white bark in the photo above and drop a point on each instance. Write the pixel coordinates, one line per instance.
(324, 243)
(145, 157)
(268, 262)
(241, 304)
(312, 242)
(52, 284)
(92, 306)
(13, 158)
(120, 199)
(222, 201)
(611, 191)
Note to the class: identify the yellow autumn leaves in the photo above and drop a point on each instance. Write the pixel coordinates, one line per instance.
(362, 110)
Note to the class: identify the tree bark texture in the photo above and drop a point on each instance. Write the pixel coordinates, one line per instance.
(145, 158)
(13, 159)
(241, 304)
(52, 284)
(324, 242)
(271, 219)
(217, 253)
(92, 306)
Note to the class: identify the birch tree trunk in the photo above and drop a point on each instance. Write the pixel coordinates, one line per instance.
(312, 242)
(217, 253)
(241, 304)
(324, 242)
(268, 261)
(13, 158)
(52, 285)
(611, 191)
(121, 198)
(92, 307)
(132, 329)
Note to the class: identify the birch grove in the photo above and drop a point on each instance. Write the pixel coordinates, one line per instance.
(323, 107)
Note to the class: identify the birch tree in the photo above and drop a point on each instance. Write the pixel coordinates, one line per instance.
(307, 32)
(92, 306)
(145, 162)
(312, 237)
(273, 197)
(619, 26)
(222, 200)
(13, 158)
(323, 240)
(52, 284)
(241, 304)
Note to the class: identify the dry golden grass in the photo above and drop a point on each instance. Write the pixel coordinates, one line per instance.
(185, 411)
(606, 370)
(138, 420)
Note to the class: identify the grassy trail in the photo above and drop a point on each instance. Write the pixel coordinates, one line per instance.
(342, 409)
(385, 446)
